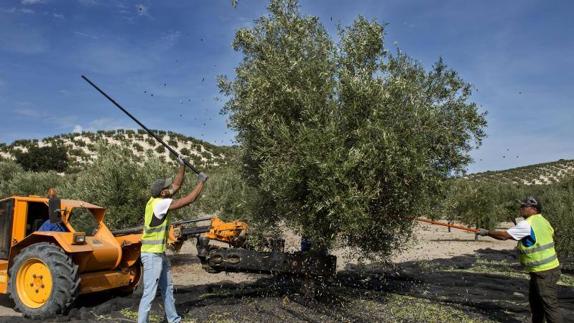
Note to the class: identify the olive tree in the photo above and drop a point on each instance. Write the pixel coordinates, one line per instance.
(341, 138)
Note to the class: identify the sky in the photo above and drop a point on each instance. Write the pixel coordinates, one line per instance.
(160, 60)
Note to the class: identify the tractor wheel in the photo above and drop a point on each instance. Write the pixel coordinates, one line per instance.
(43, 281)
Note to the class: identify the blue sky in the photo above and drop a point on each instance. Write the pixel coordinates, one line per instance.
(160, 60)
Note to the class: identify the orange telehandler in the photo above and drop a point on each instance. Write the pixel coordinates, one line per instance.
(44, 272)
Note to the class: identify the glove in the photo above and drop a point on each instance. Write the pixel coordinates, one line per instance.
(482, 232)
(180, 160)
(202, 177)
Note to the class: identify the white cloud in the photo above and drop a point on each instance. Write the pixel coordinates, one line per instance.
(110, 59)
(102, 124)
(58, 15)
(30, 2)
(168, 40)
(26, 111)
(15, 38)
(88, 2)
(79, 33)
(15, 10)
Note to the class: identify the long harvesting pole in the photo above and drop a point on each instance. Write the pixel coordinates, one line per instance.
(460, 227)
(171, 150)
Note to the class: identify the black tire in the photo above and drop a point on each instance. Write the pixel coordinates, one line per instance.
(64, 276)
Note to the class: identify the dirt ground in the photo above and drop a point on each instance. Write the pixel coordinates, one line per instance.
(440, 277)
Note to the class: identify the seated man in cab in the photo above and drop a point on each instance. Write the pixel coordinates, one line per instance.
(54, 222)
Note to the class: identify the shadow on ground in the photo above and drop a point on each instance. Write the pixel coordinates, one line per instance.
(486, 286)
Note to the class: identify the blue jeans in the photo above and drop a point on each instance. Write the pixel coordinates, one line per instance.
(156, 271)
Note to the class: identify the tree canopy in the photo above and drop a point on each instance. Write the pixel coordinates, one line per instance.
(341, 138)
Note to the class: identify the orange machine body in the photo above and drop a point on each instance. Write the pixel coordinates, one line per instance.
(104, 261)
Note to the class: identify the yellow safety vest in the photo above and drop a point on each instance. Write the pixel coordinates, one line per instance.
(154, 239)
(541, 255)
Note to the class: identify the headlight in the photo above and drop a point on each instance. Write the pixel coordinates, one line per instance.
(79, 238)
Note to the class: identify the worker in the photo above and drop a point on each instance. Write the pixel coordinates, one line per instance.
(537, 254)
(156, 266)
(54, 227)
(54, 223)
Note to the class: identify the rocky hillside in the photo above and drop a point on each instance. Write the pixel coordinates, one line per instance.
(82, 147)
(545, 173)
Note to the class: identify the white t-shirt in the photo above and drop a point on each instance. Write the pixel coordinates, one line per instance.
(160, 209)
(520, 230)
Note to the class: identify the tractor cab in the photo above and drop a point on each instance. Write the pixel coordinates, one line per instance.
(20, 217)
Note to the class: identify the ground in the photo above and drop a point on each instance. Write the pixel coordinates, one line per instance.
(441, 277)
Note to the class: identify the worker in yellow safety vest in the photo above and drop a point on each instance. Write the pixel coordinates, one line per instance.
(535, 238)
(156, 266)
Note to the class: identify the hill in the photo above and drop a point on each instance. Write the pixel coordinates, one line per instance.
(82, 147)
(544, 173)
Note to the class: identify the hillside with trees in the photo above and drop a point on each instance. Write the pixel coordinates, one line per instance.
(81, 149)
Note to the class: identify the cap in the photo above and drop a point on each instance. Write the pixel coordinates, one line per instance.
(159, 185)
(530, 201)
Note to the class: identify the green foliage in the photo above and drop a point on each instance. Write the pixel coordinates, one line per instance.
(15, 181)
(487, 203)
(558, 207)
(185, 151)
(482, 204)
(116, 181)
(44, 158)
(226, 194)
(344, 139)
(138, 147)
(8, 170)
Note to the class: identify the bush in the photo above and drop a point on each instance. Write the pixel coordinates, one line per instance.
(486, 203)
(116, 181)
(8, 170)
(33, 183)
(225, 194)
(558, 207)
(482, 204)
(46, 158)
(344, 139)
(138, 147)
(185, 151)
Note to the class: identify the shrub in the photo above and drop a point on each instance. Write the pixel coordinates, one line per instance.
(138, 147)
(116, 181)
(185, 151)
(44, 158)
(33, 183)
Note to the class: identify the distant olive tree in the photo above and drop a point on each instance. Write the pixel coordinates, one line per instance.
(343, 139)
(46, 158)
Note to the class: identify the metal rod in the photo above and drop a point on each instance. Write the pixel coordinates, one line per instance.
(460, 227)
(139, 229)
(171, 150)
